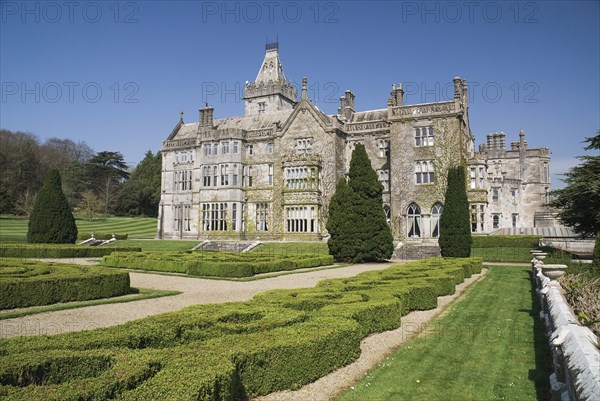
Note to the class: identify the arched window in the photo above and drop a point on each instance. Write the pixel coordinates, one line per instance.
(436, 212)
(414, 221)
(388, 217)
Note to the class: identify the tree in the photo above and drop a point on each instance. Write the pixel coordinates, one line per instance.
(596, 258)
(51, 220)
(579, 201)
(455, 231)
(89, 205)
(140, 194)
(360, 232)
(106, 173)
(339, 224)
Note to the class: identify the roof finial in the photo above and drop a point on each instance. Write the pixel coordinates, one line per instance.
(181, 116)
(304, 82)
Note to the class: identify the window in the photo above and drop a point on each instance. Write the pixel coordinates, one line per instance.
(262, 212)
(182, 180)
(481, 176)
(424, 136)
(473, 178)
(224, 175)
(270, 174)
(436, 212)
(384, 179)
(304, 146)
(177, 222)
(269, 147)
(424, 173)
(225, 147)
(301, 178)
(477, 217)
(495, 195)
(186, 218)
(384, 148)
(546, 172)
(215, 149)
(300, 219)
(235, 147)
(206, 174)
(388, 214)
(513, 195)
(249, 149)
(249, 176)
(496, 221)
(414, 221)
(515, 220)
(261, 107)
(191, 155)
(183, 156)
(207, 149)
(214, 216)
(234, 216)
(234, 177)
(215, 175)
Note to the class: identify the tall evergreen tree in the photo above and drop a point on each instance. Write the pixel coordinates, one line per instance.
(455, 231)
(51, 220)
(360, 232)
(140, 194)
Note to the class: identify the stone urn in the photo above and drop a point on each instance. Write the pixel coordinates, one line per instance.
(540, 255)
(554, 271)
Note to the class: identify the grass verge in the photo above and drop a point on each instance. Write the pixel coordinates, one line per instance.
(489, 345)
(137, 294)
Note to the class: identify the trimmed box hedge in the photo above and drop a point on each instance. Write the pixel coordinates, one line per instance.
(30, 283)
(280, 339)
(214, 263)
(59, 251)
(506, 241)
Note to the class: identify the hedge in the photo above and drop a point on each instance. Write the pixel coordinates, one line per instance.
(280, 339)
(59, 251)
(214, 264)
(506, 241)
(30, 283)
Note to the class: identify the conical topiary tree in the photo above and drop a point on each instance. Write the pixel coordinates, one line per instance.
(359, 228)
(455, 228)
(51, 220)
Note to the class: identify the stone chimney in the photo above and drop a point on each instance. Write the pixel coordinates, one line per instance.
(502, 137)
(397, 95)
(347, 105)
(206, 116)
(490, 143)
(514, 145)
(458, 86)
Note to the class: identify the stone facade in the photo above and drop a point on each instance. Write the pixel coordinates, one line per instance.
(271, 172)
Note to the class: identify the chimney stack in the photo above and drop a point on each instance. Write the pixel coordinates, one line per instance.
(206, 116)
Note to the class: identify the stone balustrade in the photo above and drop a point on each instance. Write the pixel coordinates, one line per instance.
(575, 352)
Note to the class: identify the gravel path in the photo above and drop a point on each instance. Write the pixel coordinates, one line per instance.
(194, 291)
(374, 350)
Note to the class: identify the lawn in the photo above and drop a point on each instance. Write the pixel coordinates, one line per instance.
(287, 248)
(14, 229)
(504, 254)
(488, 345)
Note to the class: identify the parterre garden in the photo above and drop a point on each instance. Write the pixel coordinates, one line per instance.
(26, 283)
(280, 339)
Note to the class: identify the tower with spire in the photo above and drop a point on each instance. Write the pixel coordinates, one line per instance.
(270, 91)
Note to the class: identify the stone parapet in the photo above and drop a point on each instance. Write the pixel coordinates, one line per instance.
(574, 348)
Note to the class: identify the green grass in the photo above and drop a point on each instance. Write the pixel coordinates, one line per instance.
(509, 254)
(489, 345)
(137, 294)
(14, 229)
(159, 245)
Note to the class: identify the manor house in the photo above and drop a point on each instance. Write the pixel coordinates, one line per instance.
(271, 172)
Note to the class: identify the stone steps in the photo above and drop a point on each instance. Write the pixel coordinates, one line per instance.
(416, 252)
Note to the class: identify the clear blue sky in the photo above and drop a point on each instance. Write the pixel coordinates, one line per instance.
(116, 74)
